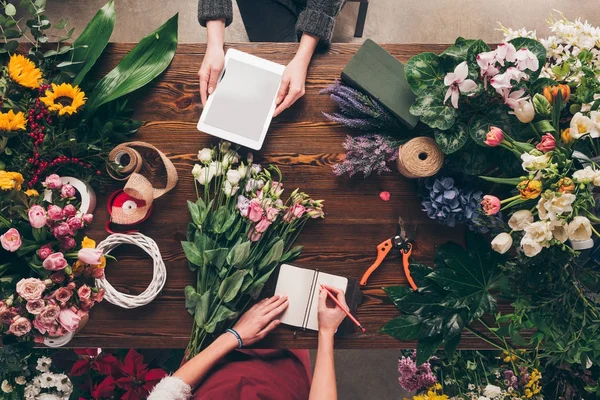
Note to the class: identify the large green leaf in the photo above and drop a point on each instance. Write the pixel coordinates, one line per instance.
(223, 313)
(397, 293)
(230, 287)
(273, 256)
(452, 140)
(88, 47)
(191, 299)
(423, 72)
(440, 117)
(427, 347)
(239, 254)
(478, 46)
(535, 47)
(404, 327)
(140, 66)
(457, 53)
(192, 253)
(217, 257)
(202, 309)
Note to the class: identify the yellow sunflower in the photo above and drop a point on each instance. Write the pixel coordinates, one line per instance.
(11, 122)
(23, 71)
(64, 99)
(10, 180)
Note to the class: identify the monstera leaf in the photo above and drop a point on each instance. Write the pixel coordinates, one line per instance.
(424, 72)
(449, 298)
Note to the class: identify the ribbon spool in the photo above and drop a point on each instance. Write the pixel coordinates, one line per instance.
(86, 193)
(133, 204)
(419, 158)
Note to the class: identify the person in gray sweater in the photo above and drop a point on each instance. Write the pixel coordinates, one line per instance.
(309, 22)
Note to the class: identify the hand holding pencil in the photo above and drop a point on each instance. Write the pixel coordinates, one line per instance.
(333, 312)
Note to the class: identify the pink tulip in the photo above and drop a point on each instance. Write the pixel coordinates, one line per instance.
(494, 137)
(37, 216)
(55, 262)
(68, 319)
(11, 240)
(90, 256)
(491, 204)
(547, 144)
(44, 251)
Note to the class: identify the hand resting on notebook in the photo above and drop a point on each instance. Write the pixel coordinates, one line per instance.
(260, 319)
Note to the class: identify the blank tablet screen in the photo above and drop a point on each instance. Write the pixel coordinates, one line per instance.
(243, 99)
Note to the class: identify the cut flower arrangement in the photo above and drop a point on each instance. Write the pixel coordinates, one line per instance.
(241, 229)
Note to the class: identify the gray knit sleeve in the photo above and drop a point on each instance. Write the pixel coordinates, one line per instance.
(215, 9)
(319, 18)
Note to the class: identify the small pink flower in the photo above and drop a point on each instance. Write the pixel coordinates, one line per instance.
(62, 230)
(30, 288)
(69, 210)
(68, 319)
(75, 223)
(20, 326)
(58, 277)
(55, 213)
(84, 292)
(62, 295)
(40, 326)
(272, 213)
(67, 191)
(88, 218)
(99, 295)
(385, 196)
(254, 236)
(90, 256)
(6, 315)
(547, 144)
(53, 182)
(49, 314)
(491, 204)
(55, 262)
(298, 210)
(37, 216)
(263, 225)
(44, 251)
(255, 211)
(71, 286)
(86, 304)
(494, 137)
(35, 306)
(68, 243)
(95, 272)
(11, 240)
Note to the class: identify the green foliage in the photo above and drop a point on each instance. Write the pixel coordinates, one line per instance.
(452, 140)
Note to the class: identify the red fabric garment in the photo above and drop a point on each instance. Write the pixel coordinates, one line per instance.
(259, 374)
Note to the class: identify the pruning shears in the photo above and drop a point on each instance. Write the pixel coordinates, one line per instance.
(400, 242)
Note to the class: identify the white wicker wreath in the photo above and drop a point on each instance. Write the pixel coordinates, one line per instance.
(159, 275)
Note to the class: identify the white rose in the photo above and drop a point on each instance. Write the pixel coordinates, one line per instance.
(539, 231)
(6, 387)
(580, 228)
(595, 117)
(502, 242)
(519, 220)
(230, 189)
(586, 175)
(20, 380)
(530, 247)
(580, 126)
(205, 155)
(196, 170)
(560, 203)
(216, 168)
(233, 176)
(534, 163)
(205, 175)
(559, 230)
(492, 391)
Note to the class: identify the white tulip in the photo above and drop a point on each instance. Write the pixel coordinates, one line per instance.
(541, 207)
(205, 175)
(196, 170)
(580, 228)
(587, 175)
(539, 231)
(492, 391)
(502, 243)
(233, 176)
(559, 230)
(559, 203)
(595, 117)
(581, 126)
(535, 162)
(519, 220)
(205, 155)
(530, 247)
(525, 111)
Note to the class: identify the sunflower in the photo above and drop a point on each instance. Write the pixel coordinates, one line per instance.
(64, 98)
(11, 122)
(10, 180)
(24, 72)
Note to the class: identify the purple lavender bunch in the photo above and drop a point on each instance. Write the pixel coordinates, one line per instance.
(367, 154)
(359, 110)
(413, 378)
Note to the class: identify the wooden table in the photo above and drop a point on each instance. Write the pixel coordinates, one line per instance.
(305, 146)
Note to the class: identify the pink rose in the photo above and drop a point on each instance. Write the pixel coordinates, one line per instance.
(37, 216)
(88, 218)
(55, 262)
(262, 226)
(61, 230)
(491, 204)
(90, 256)
(95, 272)
(86, 304)
(84, 292)
(254, 236)
(30, 288)
(6, 315)
(71, 286)
(68, 243)
(49, 314)
(62, 295)
(272, 213)
(75, 223)
(68, 320)
(99, 295)
(298, 210)
(39, 325)
(494, 137)
(11, 240)
(53, 182)
(69, 210)
(44, 251)
(35, 306)
(67, 191)
(55, 212)
(57, 277)
(547, 144)
(20, 326)
(255, 211)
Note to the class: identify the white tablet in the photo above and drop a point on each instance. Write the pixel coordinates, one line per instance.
(241, 107)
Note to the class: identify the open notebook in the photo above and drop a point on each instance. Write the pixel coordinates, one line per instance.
(302, 286)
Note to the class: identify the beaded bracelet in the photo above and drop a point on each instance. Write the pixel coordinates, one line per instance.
(237, 336)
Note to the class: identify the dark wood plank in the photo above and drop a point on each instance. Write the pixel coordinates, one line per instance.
(305, 146)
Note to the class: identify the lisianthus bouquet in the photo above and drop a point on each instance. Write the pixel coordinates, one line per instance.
(54, 116)
(48, 267)
(241, 229)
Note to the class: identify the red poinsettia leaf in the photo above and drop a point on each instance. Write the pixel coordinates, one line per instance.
(105, 364)
(153, 377)
(93, 352)
(125, 383)
(81, 367)
(106, 389)
(133, 364)
(136, 393)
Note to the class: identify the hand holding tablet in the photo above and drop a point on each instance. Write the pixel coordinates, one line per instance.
(242, 106)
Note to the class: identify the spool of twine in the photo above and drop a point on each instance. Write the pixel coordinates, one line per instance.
(419, 158)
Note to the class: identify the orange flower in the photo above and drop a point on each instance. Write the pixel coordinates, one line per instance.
(566, 137)
(551, 92)
(566, 185)
(530, 189)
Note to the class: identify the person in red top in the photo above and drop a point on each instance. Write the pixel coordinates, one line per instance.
(222, 372)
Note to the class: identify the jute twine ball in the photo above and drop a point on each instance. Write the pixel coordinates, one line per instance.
(419, 158)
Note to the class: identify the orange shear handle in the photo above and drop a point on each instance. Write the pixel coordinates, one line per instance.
(382, 250)
(406, 263)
